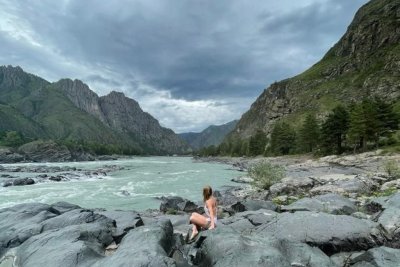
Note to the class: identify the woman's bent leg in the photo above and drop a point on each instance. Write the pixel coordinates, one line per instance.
(198, 219)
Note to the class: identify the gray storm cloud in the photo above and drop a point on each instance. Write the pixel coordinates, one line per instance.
(188, 63)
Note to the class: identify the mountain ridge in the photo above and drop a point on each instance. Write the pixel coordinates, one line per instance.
(212, 135)
(68, 110)
(364, 63)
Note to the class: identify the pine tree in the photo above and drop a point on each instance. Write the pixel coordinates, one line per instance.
(334, 129)
(236, 147)
(309, 134)
(257, 143)
(283, 138)
(224, 149)
(244, 150)
(364, 124)
(388, 119)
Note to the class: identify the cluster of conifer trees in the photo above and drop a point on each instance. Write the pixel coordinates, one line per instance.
(358, 127)
(16, 139)
(11, 138)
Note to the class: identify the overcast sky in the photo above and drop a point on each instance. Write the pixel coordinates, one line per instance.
(188, 63)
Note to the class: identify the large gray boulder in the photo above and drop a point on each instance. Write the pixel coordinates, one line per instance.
(249, 219)
(62, 207)
(358, 185)
(377, 257)
(389, 216)
(226, 197)
(180, 223)
(75, 245)
(225, 247)
(255, 204)
(329, 203)
(20, 222)
(292, 186)
(392, 201)
(176, 203)
(45, 151)
(146, 246)
(19, 182)
(125, 221)
(390, 185)
(75, 217)
(331, 233)
(38, 234)
(343, 259)
(9, 156)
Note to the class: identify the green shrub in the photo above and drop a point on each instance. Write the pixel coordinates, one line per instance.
(171, 211)
(392, 169)
(265, 174)
(12, 139)
(386, 193)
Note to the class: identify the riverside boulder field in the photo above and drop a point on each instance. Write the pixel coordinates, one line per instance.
(90, 180)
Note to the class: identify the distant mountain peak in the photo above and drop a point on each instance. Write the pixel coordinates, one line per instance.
(117, 94)
(70, 110)
(212, 135)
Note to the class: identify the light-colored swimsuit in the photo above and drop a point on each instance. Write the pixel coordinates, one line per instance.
(209, 217)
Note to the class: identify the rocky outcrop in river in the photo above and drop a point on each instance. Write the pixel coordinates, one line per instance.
(43, 151)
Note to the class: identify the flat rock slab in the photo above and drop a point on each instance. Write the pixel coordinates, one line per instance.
(75, 245)
(66, 235)
(249, 219)
(75, 217)
(357, 185)
(180, 223)
(390, 185)
(390, 221)
(292, 186)
(388, 210)
(253, 205)
(390, 202)
(335, 177)
(329, 203)
(125, 221)
(377, 257)
(177, 204)
(331, 233)
(225, 247)
(20, 222)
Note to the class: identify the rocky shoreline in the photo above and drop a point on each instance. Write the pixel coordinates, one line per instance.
(333, 211)
(11, 175)
(47, 151)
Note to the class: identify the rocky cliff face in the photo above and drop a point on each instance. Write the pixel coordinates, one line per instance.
(15, 83)
(82, 97)
(125, 116)
(365, 62)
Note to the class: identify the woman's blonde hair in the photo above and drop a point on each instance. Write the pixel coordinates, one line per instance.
(207, 192)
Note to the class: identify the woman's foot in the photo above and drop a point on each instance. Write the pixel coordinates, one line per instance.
(193, 236)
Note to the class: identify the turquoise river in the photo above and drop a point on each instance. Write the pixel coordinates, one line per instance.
(134, 184)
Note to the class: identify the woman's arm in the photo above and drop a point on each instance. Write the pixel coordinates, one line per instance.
(212, 215)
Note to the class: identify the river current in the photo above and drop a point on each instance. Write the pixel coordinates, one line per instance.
(131, 184)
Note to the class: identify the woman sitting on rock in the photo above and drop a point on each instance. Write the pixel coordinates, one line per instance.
(209, 221)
